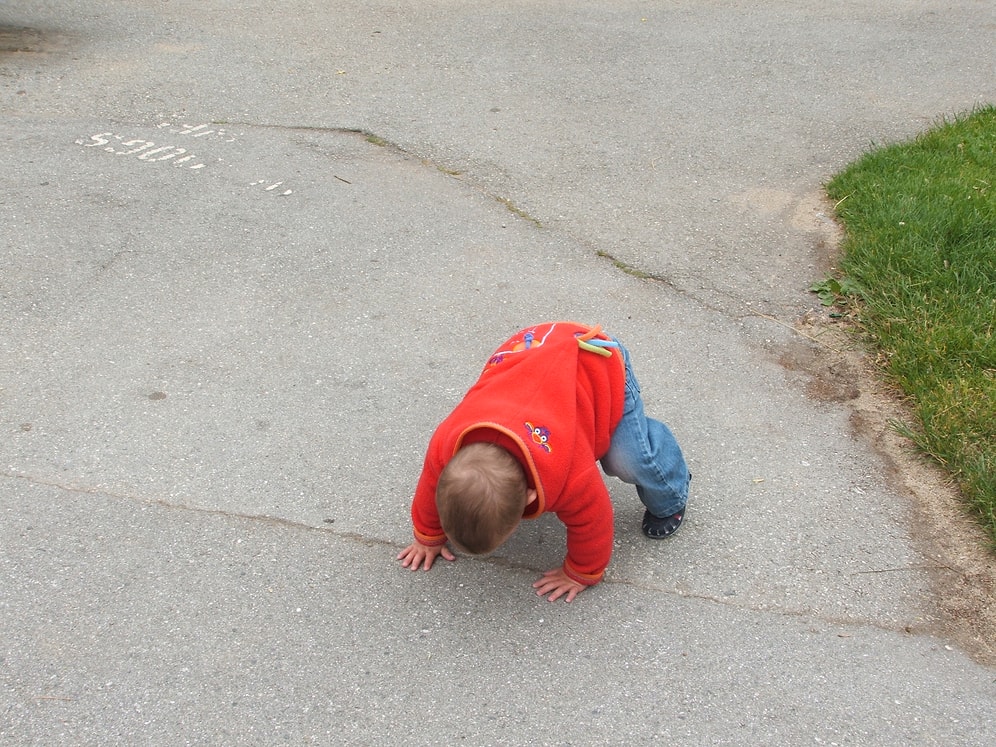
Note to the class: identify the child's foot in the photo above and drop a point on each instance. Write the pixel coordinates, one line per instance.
(657, 528)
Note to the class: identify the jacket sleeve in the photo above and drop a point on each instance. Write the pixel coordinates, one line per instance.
(587, 515)
(425, 517)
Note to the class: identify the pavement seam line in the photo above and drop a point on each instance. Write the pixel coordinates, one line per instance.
(382, 142)
(498, 562)
(162, 503)
(519, 212)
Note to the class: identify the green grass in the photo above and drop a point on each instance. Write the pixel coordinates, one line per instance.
(919, 263)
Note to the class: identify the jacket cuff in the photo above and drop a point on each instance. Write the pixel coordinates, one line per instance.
(430, 540)
(585, 579)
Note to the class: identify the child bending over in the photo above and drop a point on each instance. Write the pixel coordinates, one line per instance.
(552, 402)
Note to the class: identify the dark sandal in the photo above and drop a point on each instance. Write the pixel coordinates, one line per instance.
(658, 528)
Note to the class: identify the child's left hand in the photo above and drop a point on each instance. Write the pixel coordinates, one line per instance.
(556, 583)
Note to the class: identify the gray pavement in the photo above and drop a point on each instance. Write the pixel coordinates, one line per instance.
(229, 320)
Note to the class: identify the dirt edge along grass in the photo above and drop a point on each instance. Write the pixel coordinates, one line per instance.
(918, 269)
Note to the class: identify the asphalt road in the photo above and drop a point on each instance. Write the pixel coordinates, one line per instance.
(252, 253)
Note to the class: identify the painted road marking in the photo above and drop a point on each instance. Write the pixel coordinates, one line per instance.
(175, 155)
(115, 143)
(272, 187)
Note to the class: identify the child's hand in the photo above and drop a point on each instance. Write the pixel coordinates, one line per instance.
(417, 554)
(556, 583)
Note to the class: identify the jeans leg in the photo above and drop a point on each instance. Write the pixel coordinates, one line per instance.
(645, 453)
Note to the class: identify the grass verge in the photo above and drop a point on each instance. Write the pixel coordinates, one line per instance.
(919, 263)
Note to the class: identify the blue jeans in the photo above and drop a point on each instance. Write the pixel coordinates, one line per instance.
(645, 453)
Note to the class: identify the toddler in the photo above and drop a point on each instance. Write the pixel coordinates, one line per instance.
(552, 402)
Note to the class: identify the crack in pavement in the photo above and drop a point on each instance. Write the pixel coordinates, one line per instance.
(516, 210)
(498, 562)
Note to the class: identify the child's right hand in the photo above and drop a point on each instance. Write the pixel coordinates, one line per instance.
(417, 554)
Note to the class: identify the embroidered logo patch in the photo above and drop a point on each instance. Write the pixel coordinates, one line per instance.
(540, 436)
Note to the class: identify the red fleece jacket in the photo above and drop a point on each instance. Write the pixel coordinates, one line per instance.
(553, 400)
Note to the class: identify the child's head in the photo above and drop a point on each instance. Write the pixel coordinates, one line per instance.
(480, 497)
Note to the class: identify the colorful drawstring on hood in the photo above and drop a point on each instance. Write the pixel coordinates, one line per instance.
(587, 342)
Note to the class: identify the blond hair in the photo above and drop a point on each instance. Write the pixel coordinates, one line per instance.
(480, 497)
